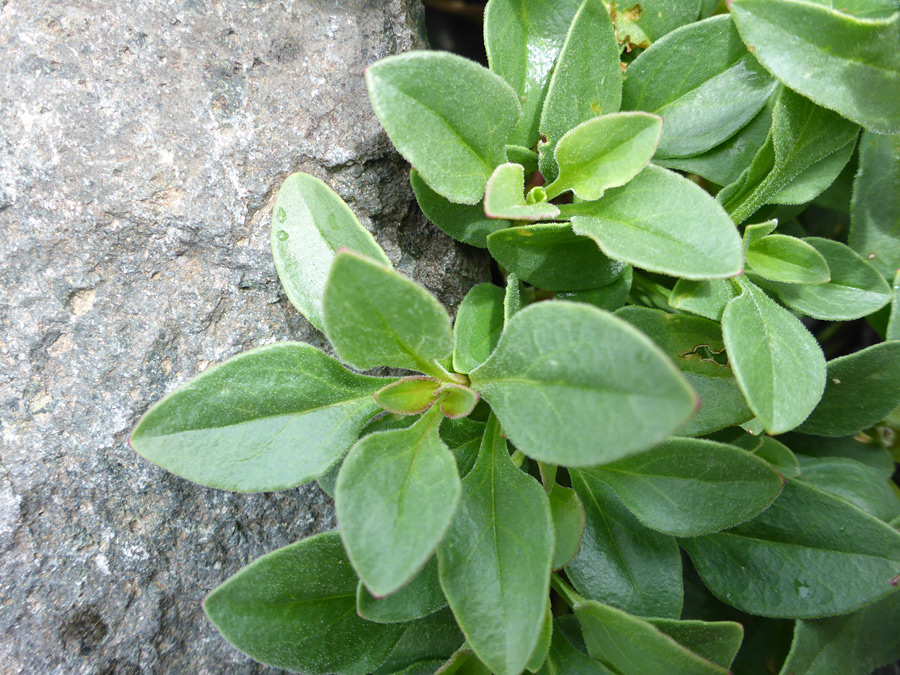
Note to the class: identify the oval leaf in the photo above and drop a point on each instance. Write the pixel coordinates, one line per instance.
(376, 317)
(495, 561)
(295, 608)
(778, 363)
(708, 486)
(454, 140)
(505, 197)
(477, 328)
(269, 419)
(395, 498)
(603, 153)
(662, 222)
(420, 597)
(808, 555)
(309, 223)
(702, 101)
(574, 385)
(778, 257)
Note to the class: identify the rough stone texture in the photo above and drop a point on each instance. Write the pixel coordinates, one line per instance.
(141, 145)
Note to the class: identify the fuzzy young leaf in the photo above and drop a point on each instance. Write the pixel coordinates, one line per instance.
(854, 644)
(778, 257)
(513, 298)
(576, 386)
(778, 363)
(552, 257)
(816, 179)
(843, 63)
(695, 346)
(522, 39)
(634, 646)
(464, 222)
(395, 498)
(855, 289)
(861, 389)
(448, 116)
(622, 561)
(295, 608)
(662, 222)
(703, 95)
(802, 134)
(586, 82)
(504, 197)
(708, 486)
(495, 561)
(309, 223)
(479, 322)
(568, 524)
(269, 419)
(420, 597)
(875, 208)
(457, 401)
(808, 555)
(409, 396)
(604, 152)
(376, 317)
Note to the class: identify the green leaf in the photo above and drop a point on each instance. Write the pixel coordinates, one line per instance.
(463, 437)
(564, 659)
(802, 134)
(875, 208)
(268, 419)
(586, 81)
(410, 396)
(477, 328)
(505, 197)
(855, 644)
(696, 348)
(708, 486)
(843, 63)
(295, 608)
(704, 298)
(395, 498)
(463, 662)
(431, 640)
(522, 39)
(309, 223)
(662, 222)
(864, 9)
(703, 96)
(542, 648)
(513, 298)
(376, 317)
(495, 561)
(725, 163)
(772, 451)
(816, 179)
(633, 646)
(527, 157)
(610, 297)
(717, 641)
(552, 257)
(893, 328)
(854, 482)
(420, 597)
(646, 22)
(789, 260)
(862, 388)
(463, 222)
(604, 152)
(449, 117)
(622, 561)
(778, 363)
(568, 524)
(572, 384)
(808, 555)
(855, 290)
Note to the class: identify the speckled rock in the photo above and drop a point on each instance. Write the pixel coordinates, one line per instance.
(141, 145)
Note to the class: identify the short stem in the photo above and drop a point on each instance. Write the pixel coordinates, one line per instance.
(437, 371)
(566, 592)
(517, 458)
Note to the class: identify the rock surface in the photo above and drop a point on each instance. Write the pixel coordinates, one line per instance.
(141, 145)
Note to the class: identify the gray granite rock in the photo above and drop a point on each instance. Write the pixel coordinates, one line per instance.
(141, 145)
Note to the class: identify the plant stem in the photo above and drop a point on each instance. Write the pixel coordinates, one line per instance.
(566, 592)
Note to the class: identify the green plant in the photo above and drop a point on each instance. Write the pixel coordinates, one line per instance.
(524, 500)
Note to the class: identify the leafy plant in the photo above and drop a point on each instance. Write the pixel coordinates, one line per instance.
(634, 457)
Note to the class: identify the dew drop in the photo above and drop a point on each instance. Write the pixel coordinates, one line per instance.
(282, 235)
(281, 216)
